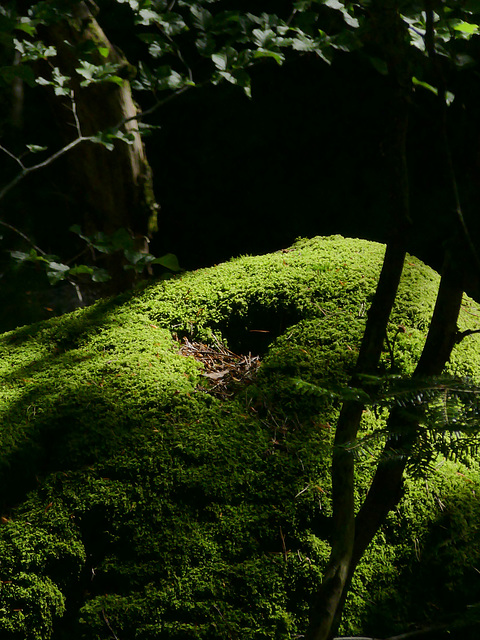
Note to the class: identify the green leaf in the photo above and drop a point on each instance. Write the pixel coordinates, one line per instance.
(31, 51)
(75, 228)
(220, 61)
(379, 65)
(145, 79)
(134, 257)
(175, 81)
(100, 275)
(205, 45)
(59, 82)
(169, 261)
(466, 27)
(56, 272)
(26, 25)
(201, 17)
(93, 73)
(20, 256)
(170, 23)
(463, 60)
(122, 239)
(264, 38)
(449, 97)
(302, 5)
(340, 6)
(100, 138)
(425, 85)
(80, 269)
(35, 148)
(265, 53)
(158, 49)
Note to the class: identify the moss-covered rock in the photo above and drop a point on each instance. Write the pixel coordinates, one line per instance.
(137, 504)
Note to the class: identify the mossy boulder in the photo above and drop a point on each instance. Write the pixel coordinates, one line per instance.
(144, 498)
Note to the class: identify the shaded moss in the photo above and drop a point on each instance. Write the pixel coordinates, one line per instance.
(137, 505)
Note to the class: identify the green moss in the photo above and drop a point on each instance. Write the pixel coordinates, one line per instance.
(138, 505)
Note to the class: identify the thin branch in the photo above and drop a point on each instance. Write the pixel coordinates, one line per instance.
(27, 170)
(59, 153)
(109, 626)
(75, 115)
(285, 555)
(409, 635)
(291, 17)
(419, 633)
(355, 638)
(81, 138)
(463, 334)
(157, 105)
(180, 56)
(20, 233)
(14, 157)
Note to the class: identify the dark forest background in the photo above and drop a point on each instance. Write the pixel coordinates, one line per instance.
(235, 176)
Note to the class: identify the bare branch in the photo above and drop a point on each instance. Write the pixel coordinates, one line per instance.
(157, 105)
(409, 635)
(14, 157)
(27, 170)
(20, 233)
(75, 114)
(463, 334)
(114, 635)
(81, 138)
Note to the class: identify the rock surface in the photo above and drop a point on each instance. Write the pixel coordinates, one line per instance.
(165, 457)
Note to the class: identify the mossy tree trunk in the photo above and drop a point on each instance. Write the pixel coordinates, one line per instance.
(113, 189)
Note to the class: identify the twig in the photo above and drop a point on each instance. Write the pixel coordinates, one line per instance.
(20, 233)
(75, 114)
(419, 633)
(355, 638)
(27, 170)
(109, 626)
(409, 635)
(81, 138)
(283, 544)
(232, 631)
(157, 105)
(14, 157)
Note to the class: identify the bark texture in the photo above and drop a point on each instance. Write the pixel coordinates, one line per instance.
(114, 188)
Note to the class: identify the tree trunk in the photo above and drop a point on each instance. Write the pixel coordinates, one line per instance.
(113, 189)
(386, 489)
(328, 601)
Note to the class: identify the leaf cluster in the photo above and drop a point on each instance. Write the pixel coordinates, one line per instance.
(119, 242)
(444, 410)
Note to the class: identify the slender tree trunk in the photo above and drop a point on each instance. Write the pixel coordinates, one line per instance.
(386, 488)
(328, 601)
